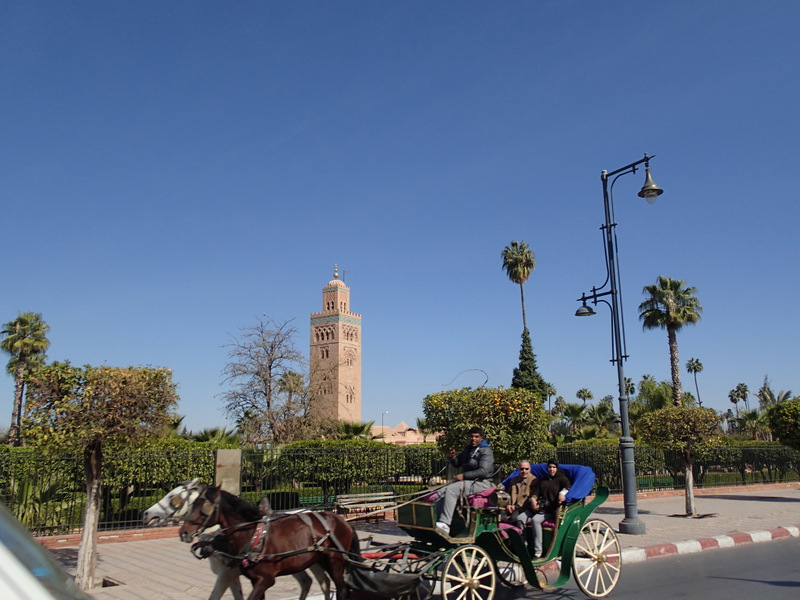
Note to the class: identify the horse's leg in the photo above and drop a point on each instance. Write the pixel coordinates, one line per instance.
(261, 583)
(335, 566)
(318, 571)
(305, 583)
(226, 578)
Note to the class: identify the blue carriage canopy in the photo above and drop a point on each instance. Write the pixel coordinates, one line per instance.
(581, 476)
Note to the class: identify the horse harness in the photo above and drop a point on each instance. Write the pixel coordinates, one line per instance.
(253, 552)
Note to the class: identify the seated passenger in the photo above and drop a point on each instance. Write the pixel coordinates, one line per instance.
(519, 508)
(548, 494)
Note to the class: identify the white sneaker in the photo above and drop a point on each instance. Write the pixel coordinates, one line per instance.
(443, 528)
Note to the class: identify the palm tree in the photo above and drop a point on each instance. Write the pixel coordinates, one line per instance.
(602, 416)
(670, 306)
(754, 422)
(424, 429)
(575, 415)
(630, 387)
(217, 435)
(584, 394)
(291, 383)
(694, 366)
(733, 396)
(742, 391)
(559, 405)
(25, 339)
(519, 262)
(356, 430)
(551, 391)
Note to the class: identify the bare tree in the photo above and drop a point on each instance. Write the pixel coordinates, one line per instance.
(268, 397)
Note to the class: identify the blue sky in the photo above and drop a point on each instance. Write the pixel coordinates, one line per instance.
(169, 172)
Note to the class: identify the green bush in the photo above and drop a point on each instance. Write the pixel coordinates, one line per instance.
(338, 465)
(784, 421)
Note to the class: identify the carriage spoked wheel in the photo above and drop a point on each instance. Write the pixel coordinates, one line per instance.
(510, 573)
(597, 559)
(468, 574)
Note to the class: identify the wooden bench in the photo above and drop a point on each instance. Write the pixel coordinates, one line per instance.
(362, 506)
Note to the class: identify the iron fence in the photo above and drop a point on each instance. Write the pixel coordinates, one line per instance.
(48, 494)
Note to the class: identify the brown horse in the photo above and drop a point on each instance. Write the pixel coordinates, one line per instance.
(266, 548)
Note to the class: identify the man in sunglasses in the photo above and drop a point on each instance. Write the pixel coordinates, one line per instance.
(520, 488)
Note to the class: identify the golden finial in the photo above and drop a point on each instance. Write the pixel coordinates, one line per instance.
(336, 271)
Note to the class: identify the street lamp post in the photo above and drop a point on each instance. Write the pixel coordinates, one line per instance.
(631, 524)
(386, 412)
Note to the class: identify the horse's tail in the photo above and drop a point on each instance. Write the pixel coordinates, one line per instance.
(355, 546)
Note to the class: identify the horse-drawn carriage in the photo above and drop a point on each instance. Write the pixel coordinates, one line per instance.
(465, 565)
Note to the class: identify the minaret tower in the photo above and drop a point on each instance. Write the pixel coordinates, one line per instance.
(335, 354)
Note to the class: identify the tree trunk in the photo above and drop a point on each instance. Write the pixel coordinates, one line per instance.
(522, 297)
(675, 367)
(16, 411)
(688, 474)
(87, 553)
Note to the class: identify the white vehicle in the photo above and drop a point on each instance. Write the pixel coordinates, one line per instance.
(27, 571)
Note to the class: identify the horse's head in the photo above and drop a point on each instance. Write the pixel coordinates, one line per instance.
(204, 512)
(175, 505)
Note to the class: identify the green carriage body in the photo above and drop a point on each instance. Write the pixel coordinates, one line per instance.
(509, 551)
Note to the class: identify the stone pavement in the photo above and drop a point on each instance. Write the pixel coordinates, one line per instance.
(164, 569)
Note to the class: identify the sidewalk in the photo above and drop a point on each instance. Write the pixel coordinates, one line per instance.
(163, 569)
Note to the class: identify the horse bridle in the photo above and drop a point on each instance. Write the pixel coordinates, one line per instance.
(176, 503)
(207, 511)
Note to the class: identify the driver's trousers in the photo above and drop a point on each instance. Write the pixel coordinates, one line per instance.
(449, 495)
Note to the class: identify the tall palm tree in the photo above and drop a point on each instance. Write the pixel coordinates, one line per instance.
(742, 391)
(733, 396)
(558, 406)
(630, 387)
(584, 394)
(25, 339)
(551, 391)
(694, 366)
(670, 306)
(519, 262)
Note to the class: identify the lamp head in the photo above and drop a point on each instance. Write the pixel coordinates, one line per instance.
(585, 311)
(650, 191)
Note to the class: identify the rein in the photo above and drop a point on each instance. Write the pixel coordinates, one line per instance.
(250, 554)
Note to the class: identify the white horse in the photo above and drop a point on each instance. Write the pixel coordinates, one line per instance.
(177, 504)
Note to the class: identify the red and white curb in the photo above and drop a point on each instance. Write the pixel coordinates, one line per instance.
(633, 555)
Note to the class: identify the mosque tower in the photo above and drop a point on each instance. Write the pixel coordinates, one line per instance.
(335, 354)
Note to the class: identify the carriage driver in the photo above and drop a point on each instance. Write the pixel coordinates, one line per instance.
(477, 461)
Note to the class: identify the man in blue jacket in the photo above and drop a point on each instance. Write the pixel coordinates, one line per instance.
(477, 462)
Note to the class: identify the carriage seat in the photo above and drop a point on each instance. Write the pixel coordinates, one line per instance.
(483, 499)
(479, 500)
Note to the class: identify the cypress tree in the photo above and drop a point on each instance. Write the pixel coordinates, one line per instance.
(526, 375)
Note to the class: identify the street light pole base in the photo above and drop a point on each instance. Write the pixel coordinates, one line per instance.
(632, 526)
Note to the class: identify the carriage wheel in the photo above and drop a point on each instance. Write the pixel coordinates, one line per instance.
(597, 560)
(468, 574)
(510, 573)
